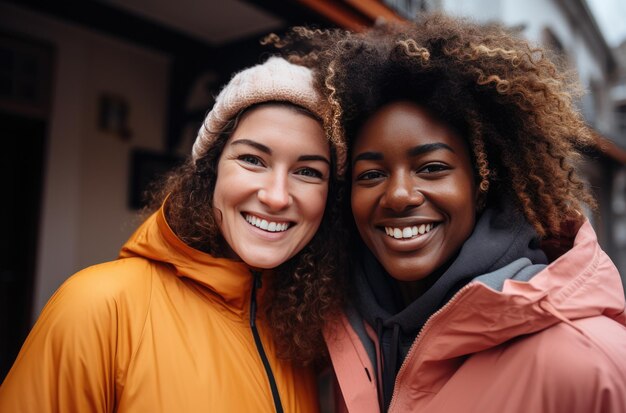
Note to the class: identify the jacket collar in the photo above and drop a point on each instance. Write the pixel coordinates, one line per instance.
(230, 280)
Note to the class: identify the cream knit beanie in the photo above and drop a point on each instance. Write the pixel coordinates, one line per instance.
(275, 80)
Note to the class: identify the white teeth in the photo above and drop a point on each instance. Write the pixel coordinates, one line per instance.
(408, 232)
(267, 226)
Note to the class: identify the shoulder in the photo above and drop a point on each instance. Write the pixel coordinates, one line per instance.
(590, 350)
(108, 280)
(584, 345)
(581, 363)
(83, 339)
(570, 367)
(95, 316)
(101, 294)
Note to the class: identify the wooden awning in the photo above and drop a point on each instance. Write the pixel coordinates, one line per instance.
(353, 15)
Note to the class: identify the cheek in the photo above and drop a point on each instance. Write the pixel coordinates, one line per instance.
(218, 204)
(231, 187)
(219, 192)
(463, 207)
(315, 203)
(361, 207)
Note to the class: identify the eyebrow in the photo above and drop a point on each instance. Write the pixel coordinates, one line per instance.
(368, 156)
(313, 158)
(254, 144)
(268, 150)
(415, 151)
(428, 147)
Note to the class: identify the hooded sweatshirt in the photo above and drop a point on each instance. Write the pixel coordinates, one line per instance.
(165, 328)
(498, 331)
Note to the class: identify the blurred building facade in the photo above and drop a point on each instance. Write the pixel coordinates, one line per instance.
(96, 97)
(618, 132)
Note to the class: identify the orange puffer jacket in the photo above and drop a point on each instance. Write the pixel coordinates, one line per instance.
(165, 328)
(554, 344)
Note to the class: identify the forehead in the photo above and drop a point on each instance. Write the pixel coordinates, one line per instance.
(280, 125)
(404, 124)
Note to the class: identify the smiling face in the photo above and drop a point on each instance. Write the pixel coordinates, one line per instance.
(272, 184)
(413, 191)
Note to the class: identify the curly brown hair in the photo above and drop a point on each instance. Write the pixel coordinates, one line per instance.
(510, 101)
(306, 290)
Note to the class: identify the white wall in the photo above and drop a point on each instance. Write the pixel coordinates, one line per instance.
(535, 16)
(482, 11)
(538, 15)
(85, 218)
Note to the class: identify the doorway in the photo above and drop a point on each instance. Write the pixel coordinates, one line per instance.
(25, 84)
(21, 161)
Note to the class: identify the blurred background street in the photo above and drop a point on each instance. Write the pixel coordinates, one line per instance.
(99, 97)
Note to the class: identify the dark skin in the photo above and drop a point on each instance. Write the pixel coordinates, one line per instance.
(414, 195)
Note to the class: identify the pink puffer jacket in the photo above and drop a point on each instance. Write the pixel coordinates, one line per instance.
(554, 344)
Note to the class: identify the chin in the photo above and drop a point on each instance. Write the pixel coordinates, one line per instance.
(266, 263)
(262, 264)
(408, 274)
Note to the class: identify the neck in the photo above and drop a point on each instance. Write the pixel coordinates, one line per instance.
(410, 291)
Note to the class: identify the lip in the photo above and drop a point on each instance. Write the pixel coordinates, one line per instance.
(406, 222)
(267, 235)
(407, 244)
(268, 218)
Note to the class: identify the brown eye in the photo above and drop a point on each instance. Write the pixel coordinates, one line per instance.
(369, 176)
(434, 168)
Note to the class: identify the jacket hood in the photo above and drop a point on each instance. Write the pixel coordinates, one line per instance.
(231, 280)
(581, 283)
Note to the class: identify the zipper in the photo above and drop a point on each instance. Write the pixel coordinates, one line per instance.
(256, 284)
(429, 322)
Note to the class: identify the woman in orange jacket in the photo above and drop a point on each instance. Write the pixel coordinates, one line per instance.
(216, 303)
(478, 284)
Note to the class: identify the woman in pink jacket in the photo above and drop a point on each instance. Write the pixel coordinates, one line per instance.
(478, 284)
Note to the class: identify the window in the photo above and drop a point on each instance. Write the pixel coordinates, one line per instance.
(620, 121)
(25, 69)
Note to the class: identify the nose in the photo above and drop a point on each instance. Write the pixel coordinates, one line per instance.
(402, 193)
(274, 193)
